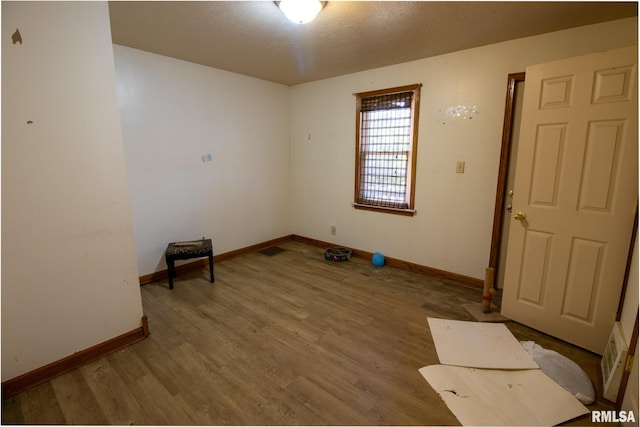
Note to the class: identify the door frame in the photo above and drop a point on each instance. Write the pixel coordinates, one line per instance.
(631, 353)
(503, 168)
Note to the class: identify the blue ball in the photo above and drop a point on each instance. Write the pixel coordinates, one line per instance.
(377, 259)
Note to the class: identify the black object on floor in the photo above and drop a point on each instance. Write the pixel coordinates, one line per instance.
(186, 250)
(271, 251)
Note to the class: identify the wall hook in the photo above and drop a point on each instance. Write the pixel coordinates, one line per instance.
(16, 37)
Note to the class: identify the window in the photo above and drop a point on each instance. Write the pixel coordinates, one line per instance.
(386, 144)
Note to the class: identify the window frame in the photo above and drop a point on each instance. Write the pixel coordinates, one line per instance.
(411, 163)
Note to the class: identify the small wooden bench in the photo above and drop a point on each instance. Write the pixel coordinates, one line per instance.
(187, 250)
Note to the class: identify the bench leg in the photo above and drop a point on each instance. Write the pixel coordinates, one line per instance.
(211, 267)
(171, 271)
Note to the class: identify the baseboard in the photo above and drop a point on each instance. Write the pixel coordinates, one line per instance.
(204, 262)
(163, 275)
(401, 264)
(76, 360)
(392, 262)
(253, 248)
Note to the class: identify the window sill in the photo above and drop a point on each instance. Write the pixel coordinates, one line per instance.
(395, 211)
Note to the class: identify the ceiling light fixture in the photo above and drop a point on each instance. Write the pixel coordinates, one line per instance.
(300, 11)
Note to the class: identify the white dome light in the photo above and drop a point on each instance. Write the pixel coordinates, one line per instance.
(300, 11)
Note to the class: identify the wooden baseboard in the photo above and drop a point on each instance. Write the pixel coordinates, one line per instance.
(398, 263)
(252, 248)
(204, 262)
(76, 360)
(163, 275)
(393, 262)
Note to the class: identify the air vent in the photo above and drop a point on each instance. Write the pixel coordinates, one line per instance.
(612, 364)
(271, 251)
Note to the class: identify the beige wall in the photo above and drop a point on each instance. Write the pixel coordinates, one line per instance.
(627, 320)
(630, 307)
(173, 113)
(453, 225)
(69, 276)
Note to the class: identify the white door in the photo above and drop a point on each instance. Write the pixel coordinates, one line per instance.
(575, 196)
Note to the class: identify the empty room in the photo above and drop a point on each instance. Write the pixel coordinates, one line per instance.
(219, 213)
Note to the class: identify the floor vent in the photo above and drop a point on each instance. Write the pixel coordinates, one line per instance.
(271, 251)
(612, 364)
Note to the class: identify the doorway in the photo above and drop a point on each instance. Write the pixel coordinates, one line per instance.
(508, 153)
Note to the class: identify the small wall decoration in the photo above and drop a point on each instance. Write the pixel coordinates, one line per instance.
(458, 112)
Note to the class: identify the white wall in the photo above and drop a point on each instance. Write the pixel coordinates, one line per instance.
(69, 277)
(452, 229)
(630, 400)
(174, 112)
(630, 306)
(627, 320)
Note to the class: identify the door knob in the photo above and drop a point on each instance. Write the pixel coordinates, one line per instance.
(520, 216)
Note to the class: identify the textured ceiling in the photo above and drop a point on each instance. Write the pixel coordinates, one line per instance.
(254, 38)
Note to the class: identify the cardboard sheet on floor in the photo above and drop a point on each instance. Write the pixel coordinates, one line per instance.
(502, 397)
(478, 345)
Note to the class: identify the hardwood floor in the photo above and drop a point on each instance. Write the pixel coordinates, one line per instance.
(288, 339)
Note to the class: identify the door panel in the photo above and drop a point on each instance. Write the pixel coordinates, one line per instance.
(547, 164)
(601, 160)
(576, 180)
(583, 281)
(535, 262)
